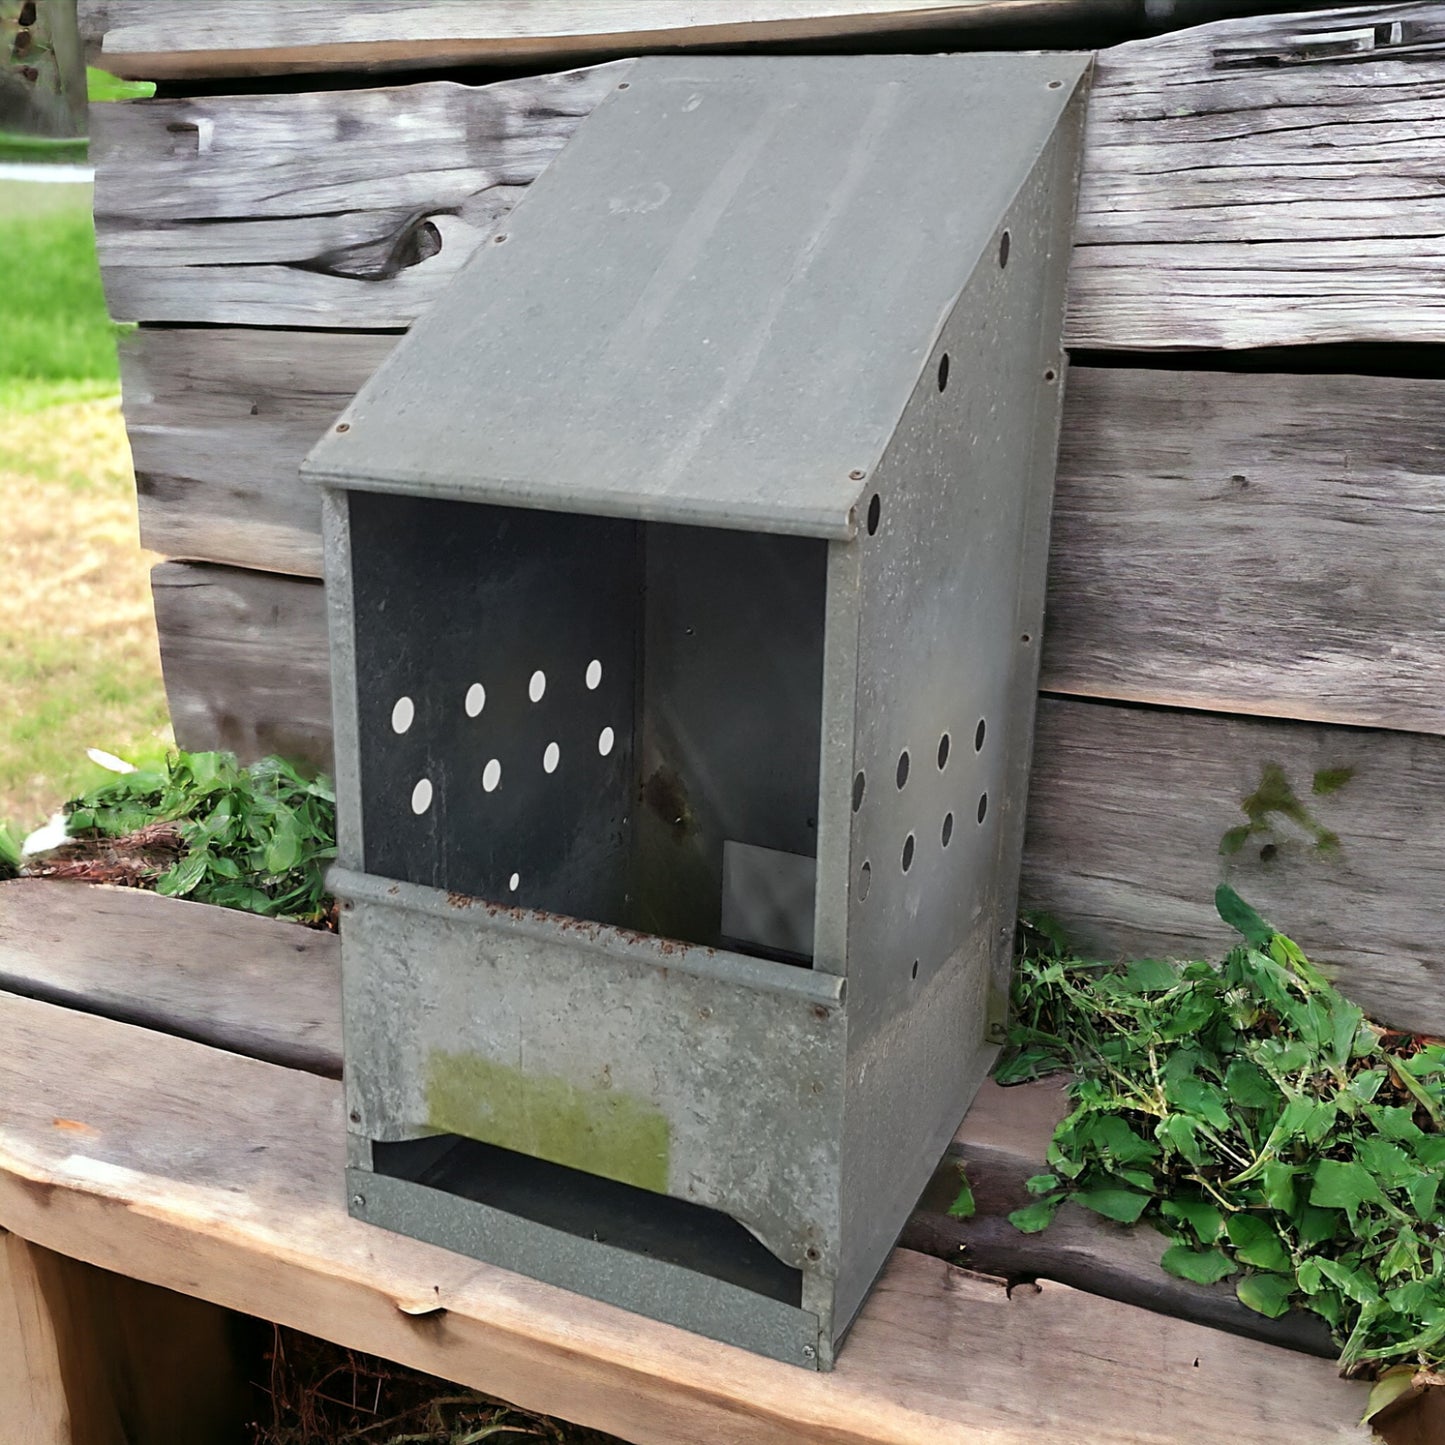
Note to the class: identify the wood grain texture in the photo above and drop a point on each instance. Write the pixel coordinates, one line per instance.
(245, 661)
(168, 39)
(1128, 807)
(250, 985)
(338, 208)
(220, 1176)
(88, 1357)
(1263, 544)
(1265, 181)
(1245, 184)
(219, 421)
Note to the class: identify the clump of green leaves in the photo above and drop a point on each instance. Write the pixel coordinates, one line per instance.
(255, 838)
(1256, 1117)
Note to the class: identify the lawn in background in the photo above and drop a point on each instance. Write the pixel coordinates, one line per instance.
(79, 665)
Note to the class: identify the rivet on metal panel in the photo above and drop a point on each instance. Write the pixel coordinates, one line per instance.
(809, 1353)
(358, 1201)
(813, 1253)
(1051, 375)
(1055, 84)
(355, 1116)
(498, 239)
(856, 476)
(343, 426)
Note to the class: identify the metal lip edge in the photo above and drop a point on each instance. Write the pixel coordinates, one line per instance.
(831, 525)
(676, 1280)
(758, 975)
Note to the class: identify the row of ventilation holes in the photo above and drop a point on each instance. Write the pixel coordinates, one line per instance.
(403, 713)
(860, 782)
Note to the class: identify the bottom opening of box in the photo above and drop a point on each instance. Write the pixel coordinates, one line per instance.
(673, 1231)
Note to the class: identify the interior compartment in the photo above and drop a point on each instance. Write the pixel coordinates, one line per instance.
(580, 714)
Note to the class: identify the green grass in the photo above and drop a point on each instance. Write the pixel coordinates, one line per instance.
(53, 319)
(78, 657)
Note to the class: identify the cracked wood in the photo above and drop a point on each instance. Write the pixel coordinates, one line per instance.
(1265, 181)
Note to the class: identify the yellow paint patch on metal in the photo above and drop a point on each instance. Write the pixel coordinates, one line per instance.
(601, 1131)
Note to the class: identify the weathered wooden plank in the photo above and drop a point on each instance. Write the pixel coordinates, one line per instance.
(88, 1357)
(218, 1176)
(245, 661)
(1256, 544)
(170, 39)
(1245, 184)
(1261, 544)
(1128, 806)
(232, 980)
(1264, 181)
(219, 421)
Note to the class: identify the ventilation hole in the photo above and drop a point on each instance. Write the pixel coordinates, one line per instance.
(980, 730)
(943, 371)
(421, 797)
(875, 510)
(902, 774)
(943, 746)
(514, 882)
(402, 713)
(537, 686)
(982, 806)
(492, 776)
(594, 674)
(605, 739)
(476, 699)
(947, 829)
(1003, 247)
(908, 852)
(859, 783)
(915, 968)
(551, 757)
(865, 881)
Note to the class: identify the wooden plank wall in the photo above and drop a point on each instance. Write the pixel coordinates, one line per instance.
(1248, 566)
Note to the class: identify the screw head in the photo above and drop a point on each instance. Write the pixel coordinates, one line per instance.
(343, 426)
(809, 1353)
(358, 1201)
(856, 475)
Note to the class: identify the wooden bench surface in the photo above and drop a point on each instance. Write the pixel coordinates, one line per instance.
(217, 1175)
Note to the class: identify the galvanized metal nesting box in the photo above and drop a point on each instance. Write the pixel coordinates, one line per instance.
(686, 571)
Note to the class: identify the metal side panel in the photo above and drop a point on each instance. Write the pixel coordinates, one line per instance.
(650, 1287)
(713, 306)
(702, 1075)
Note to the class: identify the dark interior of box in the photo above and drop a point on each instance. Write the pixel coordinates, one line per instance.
(592, 716)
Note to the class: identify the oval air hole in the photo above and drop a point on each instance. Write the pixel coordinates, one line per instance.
(947, 833)
(514, 882)
(902, 774)
(551, 757)
(875, 510)
(594, 675)
(402, 713)
(537, 686)
(908, 852)
(859, 784)
(476, 699)
(943, 371)
(1003, 249)
(915, 968)
(491, 776)
(943, 746)
(982, 806)
(605, 739)
(421, 797)
(865, 880)
(978, 733)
